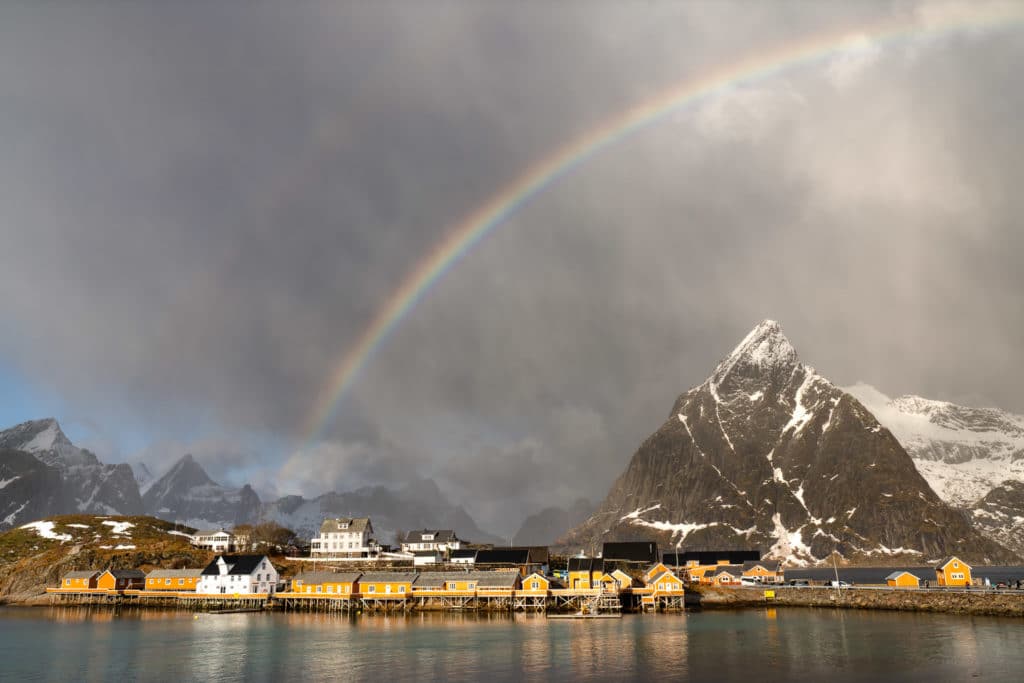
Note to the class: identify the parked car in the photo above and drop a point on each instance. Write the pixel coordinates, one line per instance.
(799, 582)
(749, 581)
(838, 584)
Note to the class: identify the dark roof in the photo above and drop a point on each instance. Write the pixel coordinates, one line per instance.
(440, 536)
(503, 556)
(733, 569)
(463, 553)
(585, 564)
(631, 551)
(706, 557)
(351, 524)
(238, 565)
(173, 573)
(326, 577)
(84, 574)
(426, 553)
(770, 565)
(127, 573)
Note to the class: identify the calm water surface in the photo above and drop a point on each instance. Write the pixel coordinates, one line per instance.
(55, 644)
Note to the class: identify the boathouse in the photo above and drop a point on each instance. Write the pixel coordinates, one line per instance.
(584, 572)
(79, 580)
(902, 579)
(953, 571)
(121, 579)
(173, 579)
(241, 574)
(326, 583)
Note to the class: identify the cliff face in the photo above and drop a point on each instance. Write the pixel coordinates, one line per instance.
(767, 453)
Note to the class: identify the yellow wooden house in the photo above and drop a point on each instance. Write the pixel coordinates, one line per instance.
(79, 580)
(666, 583)
(535, 584)
(617, 580)
(654, 570)
(386, 585)
(328, 584)
(584, 573)
(726, 575)
(953, 571)
(173, 579)
(121, 579)
(764, 571)
(902, 579)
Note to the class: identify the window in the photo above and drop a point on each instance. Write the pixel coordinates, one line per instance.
(181, 582)
(471, 586)
(319, 589)
(330, 589)
(535, 585)
(451, 585)
(956, 565)
(167, 582)
(67, 582)
(661, 586)
(387, 588)
(401, 589)
(371, 589)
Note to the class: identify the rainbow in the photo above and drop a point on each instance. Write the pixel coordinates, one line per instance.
(461, 238)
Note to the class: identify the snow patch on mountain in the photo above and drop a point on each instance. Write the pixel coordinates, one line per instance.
(45, 529)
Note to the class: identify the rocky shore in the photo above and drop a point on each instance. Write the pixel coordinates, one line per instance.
(973, 602)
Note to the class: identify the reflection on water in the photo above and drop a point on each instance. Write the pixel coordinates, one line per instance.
(96, 644)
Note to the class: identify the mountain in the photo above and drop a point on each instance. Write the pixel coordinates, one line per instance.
(29, 489)
(418, 505)
(186, 494)
(767, 453)
(144, 476)
(85, 484)
(964, 453)
(544, 527)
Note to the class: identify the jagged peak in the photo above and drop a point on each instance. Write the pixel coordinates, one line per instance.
(764, 347)
(35, 436)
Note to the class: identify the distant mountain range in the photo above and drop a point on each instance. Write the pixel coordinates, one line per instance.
(767, 453)
(42, 474)
(544, 527)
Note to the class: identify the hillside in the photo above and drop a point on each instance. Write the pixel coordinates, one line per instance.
(35, 555)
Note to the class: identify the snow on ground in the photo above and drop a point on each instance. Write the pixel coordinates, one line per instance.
(9, 519)
(45, 529)
(119, 528)
(790, 545)
(180, 533)
(801, 416)
(124, 547)
(5, 482)
(79, 526)
(43, 441)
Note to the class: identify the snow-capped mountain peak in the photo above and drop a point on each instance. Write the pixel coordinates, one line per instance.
(764, 351)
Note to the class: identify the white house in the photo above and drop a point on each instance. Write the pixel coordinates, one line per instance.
(425, 557)
(345, 537)
(243, 574)
(441, 540)
(219, 541)
(463, 556)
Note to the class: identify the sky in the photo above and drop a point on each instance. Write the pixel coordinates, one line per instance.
(206, 204)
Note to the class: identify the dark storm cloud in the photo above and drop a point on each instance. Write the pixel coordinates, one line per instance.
(205, 207)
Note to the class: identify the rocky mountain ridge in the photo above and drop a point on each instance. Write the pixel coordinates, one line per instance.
(767, 453)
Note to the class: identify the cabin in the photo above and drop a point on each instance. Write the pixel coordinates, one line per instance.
(584, 573)
(536, 584)
(763, 571)
(326, 583)
(387, 585)
(953, 571)
(446, 582)
(238, 574)
(463, 556)
(666, 583)
(79, 580)
(173, 579)
(642, 553)
(121, 580)
(441, 540)
(345, 537)
(616, 580)
(725, 575)
(902, 579)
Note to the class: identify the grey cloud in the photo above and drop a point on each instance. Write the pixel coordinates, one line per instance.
(205, 213)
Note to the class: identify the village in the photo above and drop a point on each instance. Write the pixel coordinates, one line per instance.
(347, 571)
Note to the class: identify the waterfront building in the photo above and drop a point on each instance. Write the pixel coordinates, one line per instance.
(242, 574)
(902, 579)
(725, 575)
(345, 537)
(440, 540)
(80, 580)
(536, 584)
(654, 570)
(384, 585)
(173, 579)
(121, 579)
(523, 559)
(617, 580)
(953, 571)
(326, 583)
(666, 583)
(584, 572)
